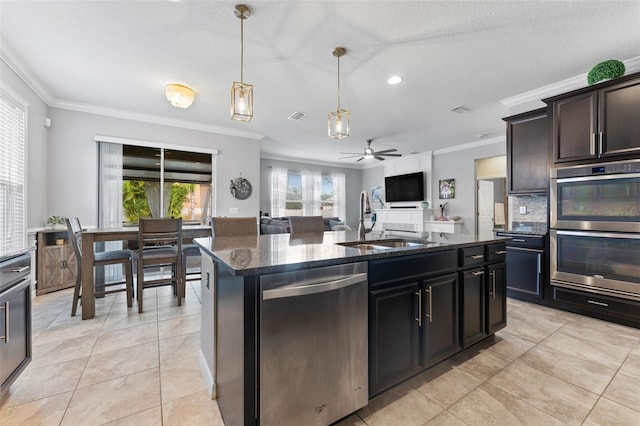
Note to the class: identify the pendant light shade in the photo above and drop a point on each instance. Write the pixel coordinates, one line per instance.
(339, 119)
(180, 96)
(241, 92)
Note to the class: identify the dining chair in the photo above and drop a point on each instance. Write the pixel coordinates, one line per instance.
(160, 245)
(306, 224)
(234, 226)
(111, 257)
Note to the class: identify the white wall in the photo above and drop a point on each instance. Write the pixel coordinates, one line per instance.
(36, 146)
(353, 184)
(72, 174)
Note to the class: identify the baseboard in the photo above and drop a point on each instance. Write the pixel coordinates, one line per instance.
(207, 375)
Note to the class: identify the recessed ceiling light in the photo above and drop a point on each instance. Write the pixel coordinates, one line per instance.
(394, 79)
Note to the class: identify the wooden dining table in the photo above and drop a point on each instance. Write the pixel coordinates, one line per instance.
(91, 236)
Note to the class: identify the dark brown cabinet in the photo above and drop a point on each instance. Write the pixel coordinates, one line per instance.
(527, 158)
(57, 265)
(439, 319)
(598, 122)
(472, 306)
(393, 335)
(496, 297)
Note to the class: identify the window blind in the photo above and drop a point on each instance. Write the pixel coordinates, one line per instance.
(12, 176)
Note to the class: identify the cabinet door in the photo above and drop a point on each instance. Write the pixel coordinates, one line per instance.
(53, 257)
(15, 348)
(69, 268)
(393, 335)
(575, 127)
(527, 141)
(440, 319)
(472, 295)
(207, 312)
(619, 119)
(524, 272)
(496, 297)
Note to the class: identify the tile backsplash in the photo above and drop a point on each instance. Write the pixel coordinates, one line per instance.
(535, 218)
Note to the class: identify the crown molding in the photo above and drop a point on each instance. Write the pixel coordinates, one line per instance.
(11, 59)
(153, 119)
(270, 156)
(471, 145)
(631, 65)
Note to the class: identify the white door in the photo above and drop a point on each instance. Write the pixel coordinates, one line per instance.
(485, 209)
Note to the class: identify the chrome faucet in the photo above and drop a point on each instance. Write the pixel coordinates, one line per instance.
(365, 208)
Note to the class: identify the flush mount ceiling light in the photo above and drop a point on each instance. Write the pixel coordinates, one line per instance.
(394, 79)
(180, 96)
(241, 92)
(339, 119)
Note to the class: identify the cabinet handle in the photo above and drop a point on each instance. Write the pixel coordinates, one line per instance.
(477, 256)
(419, 318)
(501, 252)
(493, 285)
(592, 144)
(593, 302)
(539, 260)
(207, 280)
(600, 136)
(476, 273)
(518, 240)
(430, 314)
(24, 268)
(6, 322)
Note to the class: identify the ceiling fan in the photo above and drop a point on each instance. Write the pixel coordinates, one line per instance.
(370, 153)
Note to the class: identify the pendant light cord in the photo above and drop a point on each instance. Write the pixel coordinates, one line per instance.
(338, 82)
(242, 47)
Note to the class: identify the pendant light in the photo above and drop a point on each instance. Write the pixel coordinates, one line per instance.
(241, 92)
(339, 119)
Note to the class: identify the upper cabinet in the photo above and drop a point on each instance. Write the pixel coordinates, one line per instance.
(527, 142)
(597, 122)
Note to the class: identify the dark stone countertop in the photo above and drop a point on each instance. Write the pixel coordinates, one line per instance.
(271, 253)
(15, 253)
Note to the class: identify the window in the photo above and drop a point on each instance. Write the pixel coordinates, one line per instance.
(146, 181)
(12, 175)
(307, 193)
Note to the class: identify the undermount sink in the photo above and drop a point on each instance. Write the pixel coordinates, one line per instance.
(380, 244)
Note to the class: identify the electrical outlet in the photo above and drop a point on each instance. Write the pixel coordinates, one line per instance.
(523, 209)
(234, 210)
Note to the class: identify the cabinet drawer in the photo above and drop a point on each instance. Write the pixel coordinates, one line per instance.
(495, 252)
(621, 308)
(471, 256)
(523, 240)
(398, 268)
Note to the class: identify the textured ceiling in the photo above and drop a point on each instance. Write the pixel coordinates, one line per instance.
(121, 54)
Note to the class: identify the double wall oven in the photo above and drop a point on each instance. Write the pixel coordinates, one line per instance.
(595, 228)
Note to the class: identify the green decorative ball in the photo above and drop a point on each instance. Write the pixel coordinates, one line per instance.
(605, 70)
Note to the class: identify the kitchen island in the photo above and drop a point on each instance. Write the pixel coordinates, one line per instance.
(426, 301)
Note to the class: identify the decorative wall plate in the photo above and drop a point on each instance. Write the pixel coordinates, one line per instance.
(240, 188)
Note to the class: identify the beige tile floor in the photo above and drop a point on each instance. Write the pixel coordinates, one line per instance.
(547, 367)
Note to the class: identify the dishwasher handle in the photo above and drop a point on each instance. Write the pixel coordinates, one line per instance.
(306, 289)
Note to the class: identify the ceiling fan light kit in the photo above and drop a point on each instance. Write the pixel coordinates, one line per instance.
(339, 120)
(369, 153)
(241, 92)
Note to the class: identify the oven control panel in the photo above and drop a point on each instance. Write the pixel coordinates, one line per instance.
(620, 167)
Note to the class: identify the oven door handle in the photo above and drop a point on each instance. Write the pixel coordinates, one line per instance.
(597, 234)
(598, 177)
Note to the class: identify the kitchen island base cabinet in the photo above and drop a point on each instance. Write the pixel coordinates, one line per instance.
(394, 338)
(440, 319)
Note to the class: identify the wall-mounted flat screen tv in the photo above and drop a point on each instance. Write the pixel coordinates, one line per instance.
(409, 187)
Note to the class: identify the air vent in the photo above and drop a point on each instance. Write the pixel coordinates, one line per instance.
(460, 110)
(297, 116)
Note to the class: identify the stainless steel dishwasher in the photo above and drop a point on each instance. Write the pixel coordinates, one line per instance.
(313, 345)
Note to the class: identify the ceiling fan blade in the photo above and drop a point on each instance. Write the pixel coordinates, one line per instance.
(359, 159)
(386, 150)
(389, 155)
(378, 157)
(350, 156)
(354, 153)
